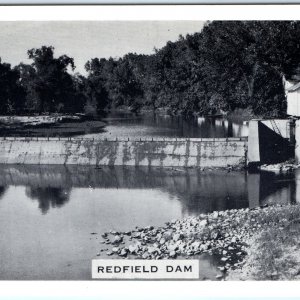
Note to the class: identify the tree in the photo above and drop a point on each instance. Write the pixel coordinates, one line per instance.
(47, 81)
(12, 95)
(96, 89)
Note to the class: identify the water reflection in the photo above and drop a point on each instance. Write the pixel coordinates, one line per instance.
(3, 189)
(270, 188)
(195, 190)
(48, 197)
(54, 230)
(158, 125)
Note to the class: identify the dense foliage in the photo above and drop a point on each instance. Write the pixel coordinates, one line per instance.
(226, 65)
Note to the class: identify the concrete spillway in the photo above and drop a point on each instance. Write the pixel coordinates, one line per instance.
(179, 152)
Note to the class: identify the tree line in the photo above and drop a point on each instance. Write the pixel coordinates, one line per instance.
(224, 66)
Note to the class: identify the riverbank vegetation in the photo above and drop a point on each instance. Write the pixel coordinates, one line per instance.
(225, 66)
(274, 252)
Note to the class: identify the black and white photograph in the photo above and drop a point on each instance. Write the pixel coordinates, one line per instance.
(150, 150)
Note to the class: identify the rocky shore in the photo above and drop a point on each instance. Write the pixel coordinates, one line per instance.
(284, 167)
(228, 235)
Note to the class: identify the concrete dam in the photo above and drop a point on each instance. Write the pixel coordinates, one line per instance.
(156, 152)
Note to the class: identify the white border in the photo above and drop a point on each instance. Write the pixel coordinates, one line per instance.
(153, 12)
(144, 289)
(149, 290)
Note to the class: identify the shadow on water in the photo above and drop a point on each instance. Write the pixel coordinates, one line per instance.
(48, 197)
(198, 191)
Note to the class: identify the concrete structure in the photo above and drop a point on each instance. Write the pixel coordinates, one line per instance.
(297, 146)
(280, 126)
(134, 152)
(269, 141)
(293, 100)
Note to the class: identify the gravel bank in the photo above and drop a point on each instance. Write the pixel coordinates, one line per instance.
(228, 235)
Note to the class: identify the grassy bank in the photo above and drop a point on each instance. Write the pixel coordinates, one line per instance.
(257, 244)
(274, 252)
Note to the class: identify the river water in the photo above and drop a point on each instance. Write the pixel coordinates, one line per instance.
(158, 125)
(47, 213)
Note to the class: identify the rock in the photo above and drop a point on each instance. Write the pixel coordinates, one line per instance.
(203, 223)
(177, 237)
(109, 253)
(224, 252)
(133, 248)
(214, 235)
(152, 250)
(172, 247)
(224, 258)
(162, 241)
(123, 253)
(98, 254)
(234, 240)
(149, 228)
(104, 235)
(219, 276)
(146, 239)
(172, 254)
(115, 249)
(274, 274)
(203, 247)
(145, 255)
(136, 235)
(158, 236)
(196, 245)
(215, 215)
(117, 240)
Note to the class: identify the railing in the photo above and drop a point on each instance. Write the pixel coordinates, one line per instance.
(275, 127)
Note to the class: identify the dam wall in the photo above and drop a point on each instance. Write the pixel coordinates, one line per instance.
(157, 152)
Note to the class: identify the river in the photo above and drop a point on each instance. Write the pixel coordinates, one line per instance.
(49, 214)
(160, 125)
(52, 217)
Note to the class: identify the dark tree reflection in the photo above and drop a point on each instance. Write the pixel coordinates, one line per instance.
(3, 189)
(49, 197)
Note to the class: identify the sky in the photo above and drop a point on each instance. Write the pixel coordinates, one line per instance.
(86, 40)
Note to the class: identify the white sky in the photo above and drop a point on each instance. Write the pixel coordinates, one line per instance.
(86, 40)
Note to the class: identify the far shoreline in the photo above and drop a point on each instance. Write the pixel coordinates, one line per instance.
(52, 125)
